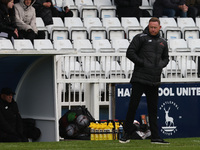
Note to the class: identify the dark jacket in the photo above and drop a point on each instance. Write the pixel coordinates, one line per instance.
(7, 20)
(10, 119)
(150, 55)
(128, 8)
(43, 12)
(159, 5)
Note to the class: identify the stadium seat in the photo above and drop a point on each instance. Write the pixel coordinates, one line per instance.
(188, 67)
(95, 29)
(114, 28)
(170, 28)
(43, 44)
(6, 44)
(23, 44)
(76, 28)
(146, 5)
(172, 70)
(92, 67)
(126, 65)
(131, 26)
(144, 21)
(63, 45)
(73, 70)
(41, 27)
(120, 45)
(188, 27)
(86, 8)
(105, 8)
(111, 67)
(178, 45)
(102, 45)
(83, 45)
(194, 45)
(57, 30)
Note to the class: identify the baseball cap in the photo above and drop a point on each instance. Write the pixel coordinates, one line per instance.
(7, 91)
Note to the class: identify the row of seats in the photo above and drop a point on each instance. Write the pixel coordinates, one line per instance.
(116, 45)
(94, 28)
(99, 8)
(83, 45)
(105, 66)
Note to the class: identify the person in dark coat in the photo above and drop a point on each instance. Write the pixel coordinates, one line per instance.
(193, 8)
(8, 28)
(149, 52)
(130, 8)
(42, 8)
(11, 124)
(170, 8)
(46, 10)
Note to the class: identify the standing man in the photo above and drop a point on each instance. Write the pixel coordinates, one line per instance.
(149, 52)
(11, 125)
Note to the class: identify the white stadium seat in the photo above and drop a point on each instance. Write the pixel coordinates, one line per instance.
(188, 27)
(131, 26)
(43, 44)
(57, 30)
(95, 28)
(6, 44)
(23, 44)
(170, 28)
(106, 9)
(86, 8)
(76, 28)
(114, 28)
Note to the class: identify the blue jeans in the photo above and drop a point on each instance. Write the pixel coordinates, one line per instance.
(172, 13)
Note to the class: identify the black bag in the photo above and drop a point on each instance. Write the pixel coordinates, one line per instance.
(74, 123)
(30, 130)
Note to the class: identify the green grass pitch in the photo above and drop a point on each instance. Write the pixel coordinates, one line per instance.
(175, 144)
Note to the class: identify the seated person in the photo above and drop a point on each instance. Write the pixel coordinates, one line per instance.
(11, 125)
(193, 8)
(62, 10)
(170, 8)
(130, 8)
(46, 10)
(8, 28)
(26, 20)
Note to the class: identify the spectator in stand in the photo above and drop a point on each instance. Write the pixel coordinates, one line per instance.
(130, 8)
(8, 28)
(62, 10)
(26, 20)
(46, 10)
(170, 8)
(11, 124)
(193, 8)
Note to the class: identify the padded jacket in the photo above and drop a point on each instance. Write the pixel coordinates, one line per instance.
(150, 55)
(7, 19)
(25, 16)
(10, 119)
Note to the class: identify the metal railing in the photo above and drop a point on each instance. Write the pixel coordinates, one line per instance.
(76, 72)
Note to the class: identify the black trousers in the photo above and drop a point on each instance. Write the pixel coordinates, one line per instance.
(151, 93)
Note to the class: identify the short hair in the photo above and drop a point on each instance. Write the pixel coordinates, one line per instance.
(5, 1)
(154, 19)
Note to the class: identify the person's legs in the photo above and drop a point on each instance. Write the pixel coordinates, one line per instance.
(137, 91)
(129, 127)
(152, 103)
(192, 12)
(181, 13)
(169, 12)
